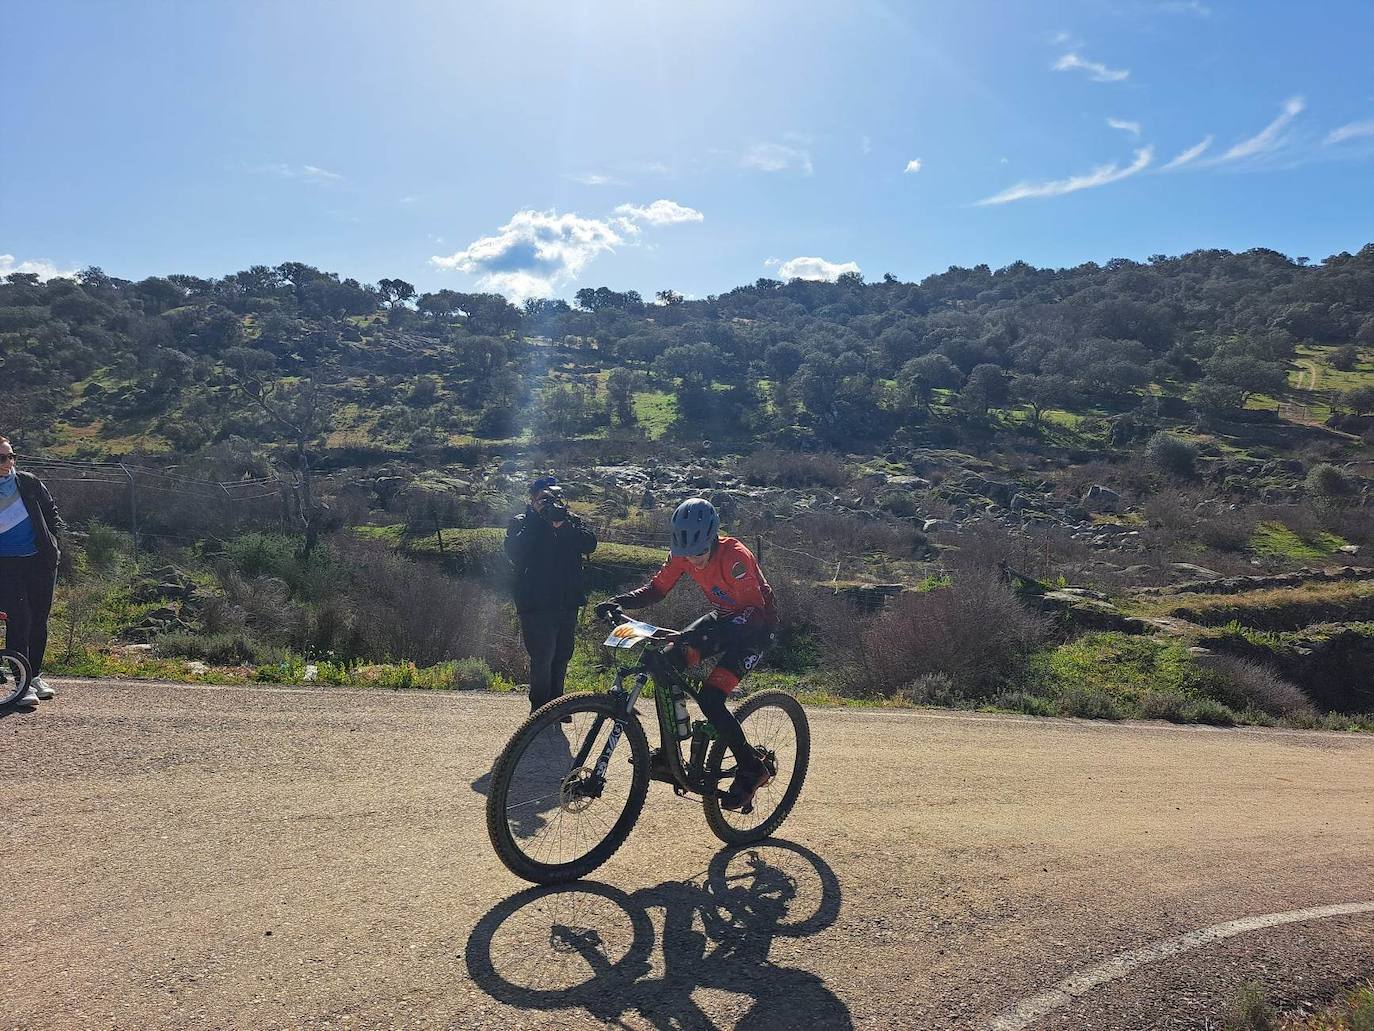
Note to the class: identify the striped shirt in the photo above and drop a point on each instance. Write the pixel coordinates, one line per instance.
(17, 537)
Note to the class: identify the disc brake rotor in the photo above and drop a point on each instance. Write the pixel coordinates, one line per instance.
(572, 797)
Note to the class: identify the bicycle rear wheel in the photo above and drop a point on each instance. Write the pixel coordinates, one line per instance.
(551, 817)
(776, 726)
(14, 677)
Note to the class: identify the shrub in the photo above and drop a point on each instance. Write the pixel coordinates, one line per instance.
(226, 649)
(104, 546)
(470, 675)
(1251, 1012)
(1024, 701)
(1171, 455)
(1243, 683)
(1091, 703)
(794, 469)
(1327, 481)
(976, 632)
(932, 689)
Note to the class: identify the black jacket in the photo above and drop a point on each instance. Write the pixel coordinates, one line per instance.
(43, 515)
(548, 561)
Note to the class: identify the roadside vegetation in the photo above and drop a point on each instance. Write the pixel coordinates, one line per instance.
(1252, 1011)
(1005, 489)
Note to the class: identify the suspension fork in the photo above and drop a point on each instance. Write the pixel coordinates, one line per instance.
(625, 700)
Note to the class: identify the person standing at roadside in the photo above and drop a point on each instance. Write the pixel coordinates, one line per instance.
(29, 554)
(547, 545)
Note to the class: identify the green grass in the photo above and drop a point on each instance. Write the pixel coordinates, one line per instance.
(1276, 540)
(655, 410)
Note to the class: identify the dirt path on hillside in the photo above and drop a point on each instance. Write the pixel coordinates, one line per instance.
(247, 857)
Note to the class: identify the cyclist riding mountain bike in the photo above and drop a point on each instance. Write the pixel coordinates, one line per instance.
(736, 632)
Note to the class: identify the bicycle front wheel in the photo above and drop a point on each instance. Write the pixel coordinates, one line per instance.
(14, 677)
(776, 726)
(552, 817)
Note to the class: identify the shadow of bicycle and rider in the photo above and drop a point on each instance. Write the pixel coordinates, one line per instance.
(591, 946)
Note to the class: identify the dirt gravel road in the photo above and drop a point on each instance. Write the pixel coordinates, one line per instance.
(248, 857)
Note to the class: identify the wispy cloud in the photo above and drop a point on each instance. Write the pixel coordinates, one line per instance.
(777, 157)
(1184, 7)
(596, 179)
(1100, 176)
(865, 144)
(305, 173)
(536, 252)
(659, 213)
(1096, 70)
(812, 268)
(912, 166)
(1120, 123)
(1267, 139)
(40, 267)
(1192, 153)
(1352, 131)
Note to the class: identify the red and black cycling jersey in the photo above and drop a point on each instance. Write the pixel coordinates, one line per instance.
(731, 581)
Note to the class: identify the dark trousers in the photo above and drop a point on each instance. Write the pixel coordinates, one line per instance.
(26, 587)
(548, 635)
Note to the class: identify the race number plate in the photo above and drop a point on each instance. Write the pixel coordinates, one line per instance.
(630, 633)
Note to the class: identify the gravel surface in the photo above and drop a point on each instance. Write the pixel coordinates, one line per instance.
(255, 857)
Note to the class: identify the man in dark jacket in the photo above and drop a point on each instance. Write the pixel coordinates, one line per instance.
(546, 544)
(29, 554)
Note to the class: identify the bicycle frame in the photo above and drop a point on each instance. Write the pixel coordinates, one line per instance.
(685, 778)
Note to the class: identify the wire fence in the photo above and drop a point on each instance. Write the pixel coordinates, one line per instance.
(150, 502)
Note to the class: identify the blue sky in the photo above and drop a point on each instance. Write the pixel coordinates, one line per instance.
(538, 147)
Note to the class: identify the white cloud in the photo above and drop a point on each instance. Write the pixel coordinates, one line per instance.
(866, 144)
(596, 179)
(914, 165)
(777, 157)
(660, 213)
(1268, 138)
(1188, 155)
(536, 252)
(1353, 131)
(41, 267)
(1100, 176)
(813, 268)
(1120, 123)
(1097, 71)
(533, 253)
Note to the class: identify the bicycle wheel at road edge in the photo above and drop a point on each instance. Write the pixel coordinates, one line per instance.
(540, 826)
(773, 721)
(14, 677)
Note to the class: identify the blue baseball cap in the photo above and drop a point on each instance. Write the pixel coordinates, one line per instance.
(543, 483)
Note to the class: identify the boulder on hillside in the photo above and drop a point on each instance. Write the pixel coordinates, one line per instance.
(1101, 499)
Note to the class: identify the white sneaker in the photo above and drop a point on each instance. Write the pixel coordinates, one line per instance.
(39, 687)
(30, 697)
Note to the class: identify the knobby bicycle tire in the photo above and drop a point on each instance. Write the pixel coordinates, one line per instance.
(715, 816)
(14, 677)
(498, 826)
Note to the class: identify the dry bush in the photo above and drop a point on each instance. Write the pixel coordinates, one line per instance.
(1228, 531)
(839, 534)
(1172, 511)
(775, 468)
(982, 546)
(410, 610)
(1129, 479)
(264, 603)
(1245, 684)
(976, 632)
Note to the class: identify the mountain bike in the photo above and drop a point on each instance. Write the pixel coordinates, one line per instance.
(561, 803)
(14, 670)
